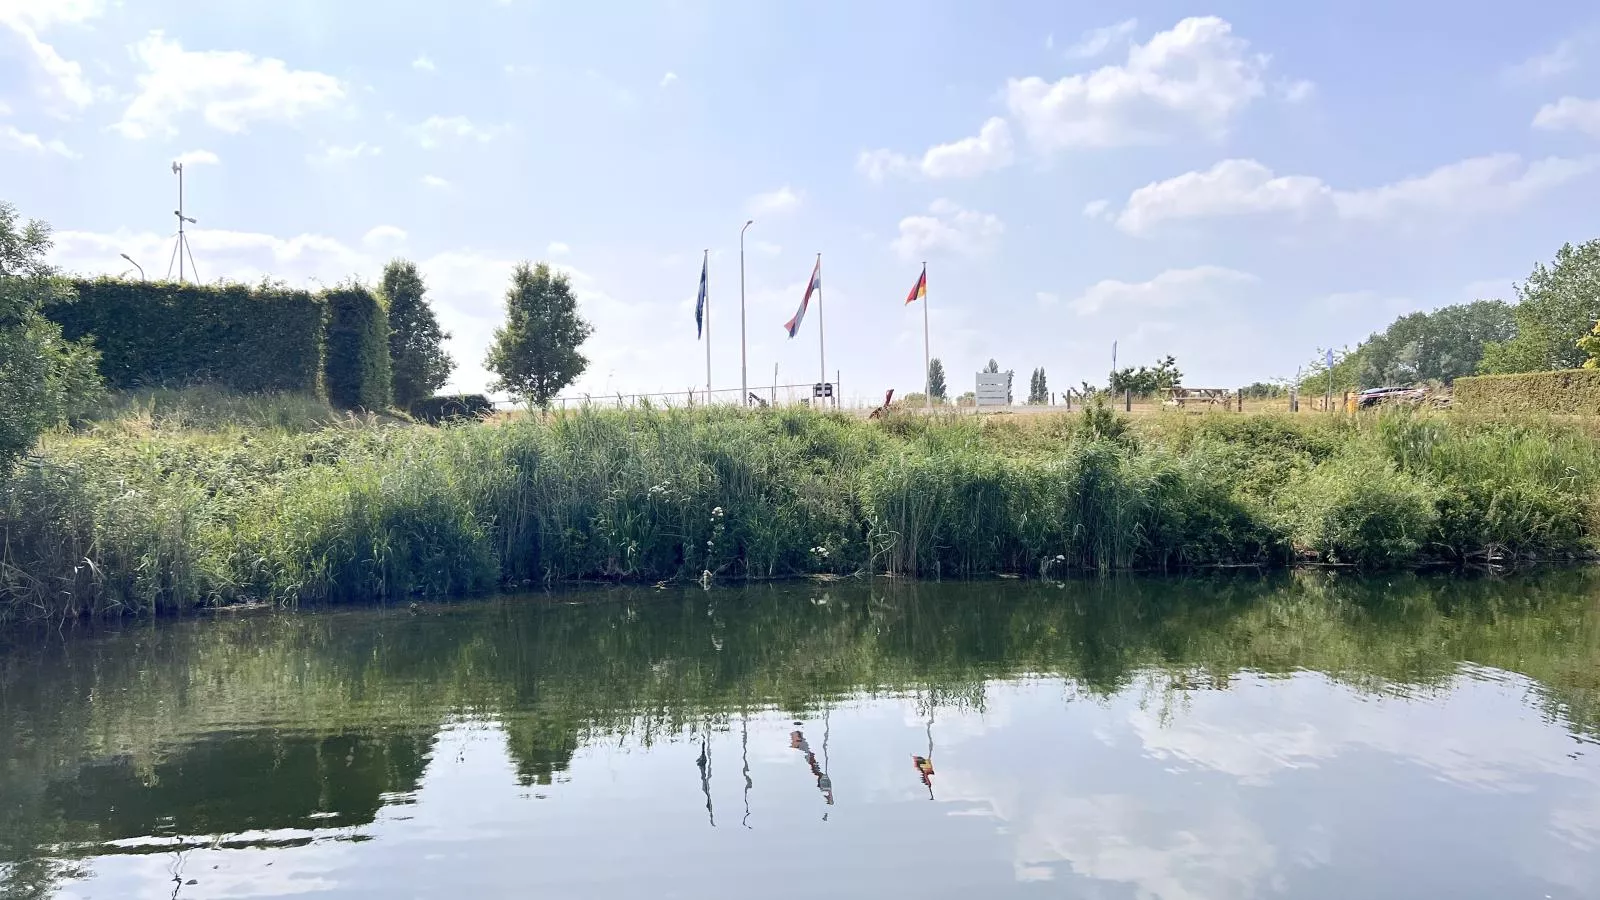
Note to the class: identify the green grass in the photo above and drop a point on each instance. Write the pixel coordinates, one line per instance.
(167, 506)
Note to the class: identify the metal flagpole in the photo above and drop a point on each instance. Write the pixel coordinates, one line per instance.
(744, 366)
(927, 361)
(822, 349)
(705, 262)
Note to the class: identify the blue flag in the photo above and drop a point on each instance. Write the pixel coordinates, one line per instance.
(700, 305)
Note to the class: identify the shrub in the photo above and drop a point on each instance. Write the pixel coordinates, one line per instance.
(434, 410)
(358, 366)
(1360, 509)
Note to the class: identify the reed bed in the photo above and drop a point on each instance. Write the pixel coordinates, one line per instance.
(127, 518)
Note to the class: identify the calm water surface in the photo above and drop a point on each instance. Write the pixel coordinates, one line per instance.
(1181, 740)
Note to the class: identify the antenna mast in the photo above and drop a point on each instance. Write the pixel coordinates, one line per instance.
(180, 246)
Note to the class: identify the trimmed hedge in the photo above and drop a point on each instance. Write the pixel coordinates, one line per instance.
(152, 333)
(1568, 391)
(358, 367)
(434, 410)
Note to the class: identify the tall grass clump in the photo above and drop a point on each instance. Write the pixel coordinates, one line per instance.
(1361, 509)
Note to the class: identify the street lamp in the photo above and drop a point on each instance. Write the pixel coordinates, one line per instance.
(744, 375)
(135, 265)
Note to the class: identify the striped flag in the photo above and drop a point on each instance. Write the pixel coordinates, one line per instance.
(700, 305)
(920, 290)
(793, 325)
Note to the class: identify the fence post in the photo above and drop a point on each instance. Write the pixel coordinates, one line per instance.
(1067, 396)
(1127, 400)
(1241, 399)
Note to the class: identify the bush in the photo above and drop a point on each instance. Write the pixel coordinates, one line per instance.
(1564, 392)
(158, 333)
(1360, 509)
(358, 366)
(434, 410)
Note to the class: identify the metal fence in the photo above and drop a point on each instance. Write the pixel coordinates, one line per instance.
(764, 395)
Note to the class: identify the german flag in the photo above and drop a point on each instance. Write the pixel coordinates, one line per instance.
(920, 291)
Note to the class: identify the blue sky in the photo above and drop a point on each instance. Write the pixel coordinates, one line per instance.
(1232, 184)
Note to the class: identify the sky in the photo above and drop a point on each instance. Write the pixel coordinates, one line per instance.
(1237, 184)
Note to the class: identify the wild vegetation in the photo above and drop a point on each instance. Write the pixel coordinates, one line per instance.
(98, 524)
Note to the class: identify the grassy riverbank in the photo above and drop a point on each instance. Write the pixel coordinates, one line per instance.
(153, 512)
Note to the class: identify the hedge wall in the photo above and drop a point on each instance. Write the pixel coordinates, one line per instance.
(357, 370)
(1569, 391)
(445, 407)
(161, 333)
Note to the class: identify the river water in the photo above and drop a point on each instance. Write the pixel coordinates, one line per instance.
(1296, 736)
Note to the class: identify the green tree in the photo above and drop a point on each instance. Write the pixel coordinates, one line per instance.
(1590, 345)
(1038, 388)
(1442, 345)
(416, 353)
(535, 353)
(1556, 305)
(993, 368)
(936, 385)
(1144, 380)
(43, 378)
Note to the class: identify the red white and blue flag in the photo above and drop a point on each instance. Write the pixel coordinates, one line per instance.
(793, 325)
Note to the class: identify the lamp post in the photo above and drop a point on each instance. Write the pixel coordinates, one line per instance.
(744, 374)
(135, 265)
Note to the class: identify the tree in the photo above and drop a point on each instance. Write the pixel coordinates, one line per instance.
(1038, 388)
(1441, 346)
(535, 353)
(936, 385)
(993, 368)
(1145, 381)
(416, 353)
(1556, 306)
(43, 377)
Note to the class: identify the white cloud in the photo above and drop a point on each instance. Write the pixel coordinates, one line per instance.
(1558, 60)
(1297, 91)
(766, 248)
(1197, 75)
(774, 202)
(1172, 288)
(384, 236)
(557, 248)
(948, 229)
(1570, 113)
(669, 78)
(1482, 184)
(880, 164)
(15, 137)
(1095, 42)
(198, 158)
(1230, 188)
(423, 64)
(435, 130)
(1047, 299)
(331, 154)
(231, 89)
(63, 82)
(1244, 187)
(435, 181)
(991, 148)
(1094, 209)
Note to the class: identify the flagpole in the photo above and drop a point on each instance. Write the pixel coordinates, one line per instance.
(706, 268)
(927, 362)
(822, 349)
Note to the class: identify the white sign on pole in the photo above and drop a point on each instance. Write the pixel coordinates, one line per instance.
(994, 389)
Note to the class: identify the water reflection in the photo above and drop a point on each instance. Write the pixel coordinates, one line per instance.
(1151, 738)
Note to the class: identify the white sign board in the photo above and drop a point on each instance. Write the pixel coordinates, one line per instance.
(994, 389)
